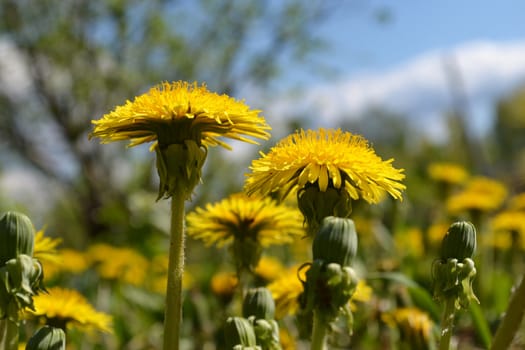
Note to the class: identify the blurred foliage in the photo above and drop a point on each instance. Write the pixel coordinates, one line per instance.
(76, 60)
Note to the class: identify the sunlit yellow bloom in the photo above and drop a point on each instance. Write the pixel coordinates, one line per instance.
(362, 294)
(286, 291)
(224, 284)
(286, 339)
(241, 217)
(481, 194)
(268, 269)
(45, 249)
(68, 261)
(327, 158)
(447, 172)
(414, 325)
(67, 308)
(517, 202)
(121, 264)
(511, 225)
(171, 113)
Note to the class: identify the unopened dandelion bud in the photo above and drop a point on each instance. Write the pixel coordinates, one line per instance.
(179, 164)
(47, 338)
(239, 331)
(336, 241)
(258, 302)
(17, 236)
(316, 204)
(459, 241)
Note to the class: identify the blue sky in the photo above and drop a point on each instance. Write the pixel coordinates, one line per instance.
(399, 64)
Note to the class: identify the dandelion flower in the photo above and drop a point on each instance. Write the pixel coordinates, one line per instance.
(481, 194)
(248, 223)
(414, 325)
(120, 264)
(268, 269)
(223, 284)
(170, 113)
(67, 308)
(45, 249)
(446, 172)
(325, 158)
(286, 291)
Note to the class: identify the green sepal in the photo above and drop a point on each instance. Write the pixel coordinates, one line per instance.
(47, 338)
(179, 164)
(239, 331)
(258, 302)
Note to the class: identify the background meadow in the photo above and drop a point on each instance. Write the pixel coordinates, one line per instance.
(63, 64)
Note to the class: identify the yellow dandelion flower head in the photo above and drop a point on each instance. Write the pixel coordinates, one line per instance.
(481, 193)
(268, 268)
(45, 248)
(68, 261)
(286, 340)
(414, 324)
(325, 157)
(240, 216)
(447, 172)
(517, 202)
(224, 284)
(174, 112)
(286, 291)
(362, 294)
(509, 221)
(62, 307)
(120, 264)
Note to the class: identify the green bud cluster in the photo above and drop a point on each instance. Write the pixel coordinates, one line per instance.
(239, 334)
(179, 165)
(315, 205)
(47, 338)
(258, 318)
(330, 281)
(20, 275)
(454, 273)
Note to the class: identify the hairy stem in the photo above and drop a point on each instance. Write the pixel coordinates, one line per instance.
(173, 313)
(447, 324)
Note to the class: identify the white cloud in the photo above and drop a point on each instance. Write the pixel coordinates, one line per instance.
(421, 88)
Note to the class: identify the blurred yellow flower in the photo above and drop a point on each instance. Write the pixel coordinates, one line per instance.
(362, 294)
(121, 264)
(171, 113)
(286, 339)
(447, 172)
(508, 227)
(409, 242)
(240, 217)
(414, 325)
(517, 202)
(67, 308)
(481, 193)
(325, 158)
(286, 291)
(45, 248)
(224, 284)
(436, 232)
(68, 261)
(268, 269)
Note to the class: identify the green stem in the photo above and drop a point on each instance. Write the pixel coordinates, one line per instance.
(318, 333)
(512, 319)
(447, 324)
(173, 313)
(8, 335)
